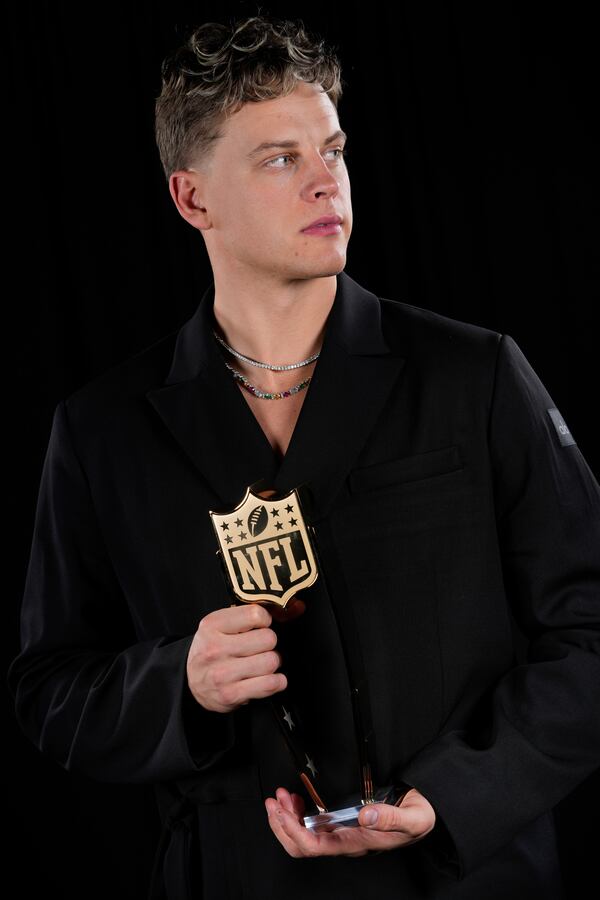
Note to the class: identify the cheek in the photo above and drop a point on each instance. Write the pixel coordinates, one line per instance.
(256, 233)
(345, 188)
(232, 203)
(265, 223)
(255, 211)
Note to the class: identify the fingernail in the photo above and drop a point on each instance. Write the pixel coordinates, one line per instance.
(370, 817)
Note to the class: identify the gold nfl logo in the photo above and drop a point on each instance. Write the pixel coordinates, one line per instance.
(266, 548)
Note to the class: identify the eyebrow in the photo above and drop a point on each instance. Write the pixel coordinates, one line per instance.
(287, 145)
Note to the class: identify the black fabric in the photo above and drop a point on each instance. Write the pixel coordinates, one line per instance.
(240, 861)
(449, 516)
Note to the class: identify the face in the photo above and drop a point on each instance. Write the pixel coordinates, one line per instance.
(257, 199)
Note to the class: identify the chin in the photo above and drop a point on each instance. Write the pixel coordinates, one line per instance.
(306, 267)
(333, 268)
(334, 271)
(323, 271)
(327, 267)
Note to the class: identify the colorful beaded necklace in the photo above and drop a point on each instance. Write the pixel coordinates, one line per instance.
(267, 395)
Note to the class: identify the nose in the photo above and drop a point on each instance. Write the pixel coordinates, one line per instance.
(320, 180)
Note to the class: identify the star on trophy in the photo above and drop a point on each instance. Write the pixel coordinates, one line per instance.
(268, 554)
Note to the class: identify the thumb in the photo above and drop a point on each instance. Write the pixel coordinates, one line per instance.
(415, 815)
(380, 817)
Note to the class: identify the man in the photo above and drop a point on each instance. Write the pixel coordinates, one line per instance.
(448, 500)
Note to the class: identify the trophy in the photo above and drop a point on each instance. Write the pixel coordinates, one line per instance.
(268, 554)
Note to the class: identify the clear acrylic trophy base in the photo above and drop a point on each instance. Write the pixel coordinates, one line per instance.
(347, 816)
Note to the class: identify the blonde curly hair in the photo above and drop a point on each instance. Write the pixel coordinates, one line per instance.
(220, 67)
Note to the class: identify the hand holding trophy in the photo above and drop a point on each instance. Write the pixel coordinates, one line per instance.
(268, 555)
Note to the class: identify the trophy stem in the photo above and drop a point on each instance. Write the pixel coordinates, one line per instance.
(311, 790)
(337, 590)
(363, 733)
(367, 782)
(296, 744)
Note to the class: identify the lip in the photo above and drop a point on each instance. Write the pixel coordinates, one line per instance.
(324, 225)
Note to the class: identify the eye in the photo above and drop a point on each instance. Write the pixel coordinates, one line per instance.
(341, 151)
(283, 156)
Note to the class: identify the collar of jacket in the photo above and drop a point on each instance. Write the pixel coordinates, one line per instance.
(204, 410)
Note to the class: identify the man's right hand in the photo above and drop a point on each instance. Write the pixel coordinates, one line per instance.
(233, 659)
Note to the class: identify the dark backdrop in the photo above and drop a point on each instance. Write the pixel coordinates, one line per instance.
(475, 194)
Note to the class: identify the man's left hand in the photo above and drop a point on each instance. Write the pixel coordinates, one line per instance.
(395, 826)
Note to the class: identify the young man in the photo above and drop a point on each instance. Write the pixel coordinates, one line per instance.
(448, 500)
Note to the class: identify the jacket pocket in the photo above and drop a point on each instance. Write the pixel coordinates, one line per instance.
(406, 469)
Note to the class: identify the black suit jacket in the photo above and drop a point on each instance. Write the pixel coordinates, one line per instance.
(452, 510)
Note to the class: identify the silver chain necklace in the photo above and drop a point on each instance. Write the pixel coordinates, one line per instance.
(262, 365)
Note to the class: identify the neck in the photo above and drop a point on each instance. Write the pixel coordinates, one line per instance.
(275, 323)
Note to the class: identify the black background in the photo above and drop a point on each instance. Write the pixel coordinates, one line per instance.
(475, 194)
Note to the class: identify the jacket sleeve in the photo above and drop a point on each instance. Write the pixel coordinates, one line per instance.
(86, 692)
(544, 737)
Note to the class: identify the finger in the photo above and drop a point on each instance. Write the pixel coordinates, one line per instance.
(419, 814)
(235, 619)
(252, 689)
(248, 643)
(376, 817)
(306, 843)
(285, 799)
(238, 668)
(413, 818)
(271, 804)
(275, 821)
(294, 803)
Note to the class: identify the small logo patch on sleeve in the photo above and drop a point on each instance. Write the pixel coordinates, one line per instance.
(564, 435)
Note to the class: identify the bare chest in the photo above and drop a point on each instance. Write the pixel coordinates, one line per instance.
(277, 418)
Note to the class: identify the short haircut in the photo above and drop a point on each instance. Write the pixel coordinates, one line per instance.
(220, 67)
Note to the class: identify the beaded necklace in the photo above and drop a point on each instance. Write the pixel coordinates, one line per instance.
(258, 392)
(267, 395)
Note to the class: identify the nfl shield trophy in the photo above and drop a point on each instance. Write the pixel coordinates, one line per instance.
(268, 554)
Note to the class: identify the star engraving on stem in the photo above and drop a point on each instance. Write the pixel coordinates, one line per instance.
(310, 765)
(288, 718)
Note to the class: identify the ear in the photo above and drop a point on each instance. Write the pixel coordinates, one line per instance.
(185, 187)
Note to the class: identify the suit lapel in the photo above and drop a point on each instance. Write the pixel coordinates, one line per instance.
(203, 407)
(351, 383)
(200, 405)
